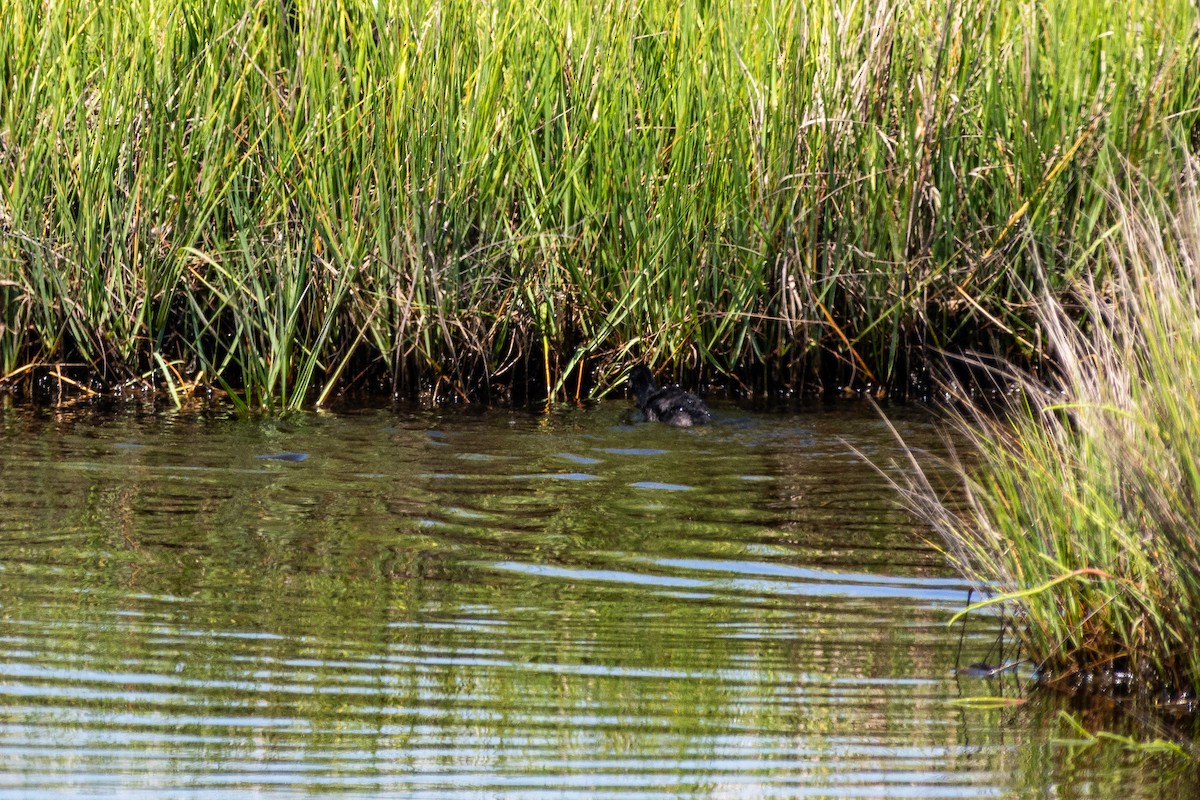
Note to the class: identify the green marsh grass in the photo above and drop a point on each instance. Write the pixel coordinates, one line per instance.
(1082, 505)
(286, 198)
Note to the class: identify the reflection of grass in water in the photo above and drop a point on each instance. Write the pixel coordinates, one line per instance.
(284, 198)
(1086, 502)
(347, 639)
(301, 613)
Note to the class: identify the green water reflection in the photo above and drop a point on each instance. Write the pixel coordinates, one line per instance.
(495, 605)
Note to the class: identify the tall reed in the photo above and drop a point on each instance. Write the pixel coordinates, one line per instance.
(289, 197)
(1084, 504)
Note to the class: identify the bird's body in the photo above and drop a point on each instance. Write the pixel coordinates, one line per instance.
(668, 404)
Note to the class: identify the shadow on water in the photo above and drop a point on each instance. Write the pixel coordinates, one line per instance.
(497, 605)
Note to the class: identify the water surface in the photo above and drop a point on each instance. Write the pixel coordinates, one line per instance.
(497, 605)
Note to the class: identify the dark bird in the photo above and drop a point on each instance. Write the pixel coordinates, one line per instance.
(668, 404)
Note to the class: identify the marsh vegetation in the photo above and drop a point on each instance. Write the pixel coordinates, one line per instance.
(1083, 502)
(284, 200)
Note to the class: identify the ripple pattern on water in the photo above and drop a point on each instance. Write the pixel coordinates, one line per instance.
(434, 606)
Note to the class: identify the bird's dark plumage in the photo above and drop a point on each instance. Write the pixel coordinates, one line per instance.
(668, 404)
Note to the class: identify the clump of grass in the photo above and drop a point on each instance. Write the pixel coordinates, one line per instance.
(1082, 503)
